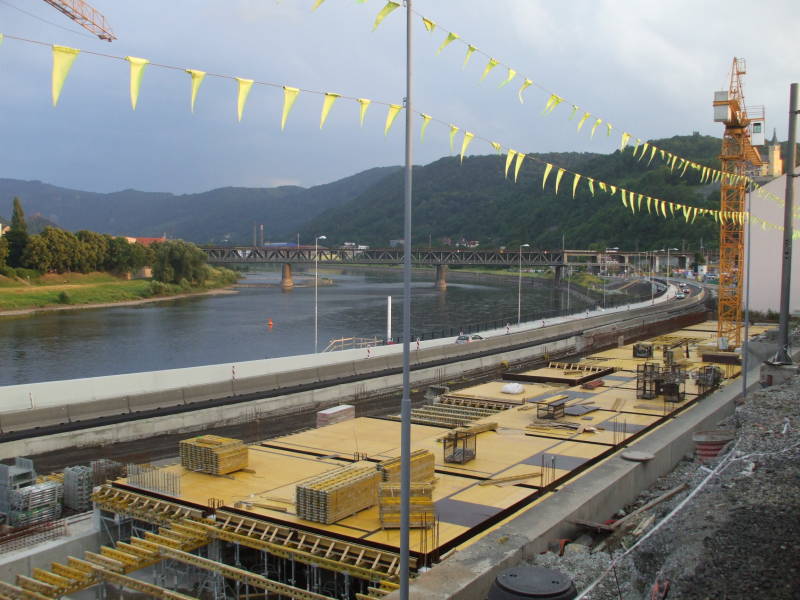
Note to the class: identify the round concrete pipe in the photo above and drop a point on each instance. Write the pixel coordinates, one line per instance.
(522, 582)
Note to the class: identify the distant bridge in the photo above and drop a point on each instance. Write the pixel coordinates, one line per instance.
(435, 257)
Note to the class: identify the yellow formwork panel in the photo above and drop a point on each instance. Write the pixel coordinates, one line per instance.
(491, 391)
(364, 434)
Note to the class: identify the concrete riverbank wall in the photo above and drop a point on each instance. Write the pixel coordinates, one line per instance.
(105, 410)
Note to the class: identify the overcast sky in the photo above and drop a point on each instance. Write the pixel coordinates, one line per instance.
(650, 68)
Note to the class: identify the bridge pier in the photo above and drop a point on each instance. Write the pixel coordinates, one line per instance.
(287, 282)
(559, 274)
(441, 277)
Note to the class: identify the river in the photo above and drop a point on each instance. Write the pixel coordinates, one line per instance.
(234, 327)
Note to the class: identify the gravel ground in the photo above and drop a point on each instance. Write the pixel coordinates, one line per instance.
(738, 536)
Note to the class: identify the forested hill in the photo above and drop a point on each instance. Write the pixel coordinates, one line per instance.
(475, 201)
(224, 215)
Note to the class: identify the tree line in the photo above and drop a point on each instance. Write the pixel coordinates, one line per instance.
(58, 251)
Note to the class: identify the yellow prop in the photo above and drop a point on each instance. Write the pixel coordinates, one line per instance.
(511, 74)
(465, 143)
(575, 181)
(426, 119)
(362, 111)
(489, 66)
(245, 85)
(470, 50)
(518, 165)
(289, 96)
(394, 109)
(509, 159)
(197, 79)
(547, 170)
(429, 25)
(451, 37)
(525, 85)
(327, 104)
(63, 57)
(137, 70)
(558, 178)
(385, 12)
(453, 131)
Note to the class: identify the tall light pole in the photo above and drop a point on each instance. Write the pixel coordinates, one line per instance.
(668, 263)
(316, 278)
(519, 285)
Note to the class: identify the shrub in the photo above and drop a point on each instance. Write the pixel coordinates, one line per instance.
(7, 271)
(157, 288)
(27, 273)
(64, 298)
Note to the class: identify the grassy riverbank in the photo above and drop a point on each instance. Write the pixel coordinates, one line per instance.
(77, 289)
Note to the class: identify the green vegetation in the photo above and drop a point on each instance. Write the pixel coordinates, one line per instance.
(475, 201)
(96, 288)
(17, 236)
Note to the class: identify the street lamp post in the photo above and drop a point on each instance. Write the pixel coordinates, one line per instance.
(519, 285)
(668, 263)
(316, 295)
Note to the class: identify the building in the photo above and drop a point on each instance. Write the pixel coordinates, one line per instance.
(771, 154)
(765, 257)
(146, 241)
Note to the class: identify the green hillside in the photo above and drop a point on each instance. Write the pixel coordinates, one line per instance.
(475, 201)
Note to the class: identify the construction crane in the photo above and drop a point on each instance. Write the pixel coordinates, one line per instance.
(737, 156)
(86, 16)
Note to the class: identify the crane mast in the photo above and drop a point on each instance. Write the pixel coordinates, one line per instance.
(737, 155)
(86, 16)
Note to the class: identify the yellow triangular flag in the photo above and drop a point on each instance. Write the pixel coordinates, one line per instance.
(686, 211)
(362, 110)
(509, 159)
(613, 189)
(465, 144)
(694, 216)
(603, 187)
(575, 181)
(525, 85)
(63, 57)
(575, 108)
(591, 185)
(497, 146)
(511, 74)
(672, 166)
(624, 199)
(583, 120)
(197, 79)
(316, 4)
(470, 50)
(244, 91)
(558, 178)
(624, 142)
(453, 131)
(517, 165)
(644, 149)
(1, 38)
(636, 146)
(489, 66)
(632, 206)
(553, 101)
(385, 12)
(671, 209)
(327, 104)
(594, 127)
(547, 170)
(685, 164)
(609, 127)
(394, 109)
(649, 200)
(652, 155)
(429, 25)
(426, 119)
(451, 37)
(639, 202)
(663, 157)
(137, 70)
(289, 96)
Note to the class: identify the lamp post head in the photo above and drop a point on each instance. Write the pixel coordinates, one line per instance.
(321, 237)
(525, 246)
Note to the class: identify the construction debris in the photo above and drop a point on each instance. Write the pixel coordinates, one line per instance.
(213, 454)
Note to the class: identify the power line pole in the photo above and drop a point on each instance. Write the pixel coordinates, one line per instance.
(783, 355)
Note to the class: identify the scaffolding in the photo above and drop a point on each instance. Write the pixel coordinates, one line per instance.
(155, 479)
(78, 488)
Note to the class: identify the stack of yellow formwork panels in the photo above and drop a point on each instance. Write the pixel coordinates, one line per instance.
(213, 454)
(422, 512)
(337, 494)
(422, 465)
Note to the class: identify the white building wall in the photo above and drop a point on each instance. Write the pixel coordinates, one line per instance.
(766, 257)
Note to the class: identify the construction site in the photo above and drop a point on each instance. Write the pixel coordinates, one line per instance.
(315, 514)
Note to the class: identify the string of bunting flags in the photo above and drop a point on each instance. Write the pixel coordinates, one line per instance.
(64, 58)
(643, 148)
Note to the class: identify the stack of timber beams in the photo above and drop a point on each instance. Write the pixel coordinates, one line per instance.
(422, 512)
(213, 454)
(422, 466)
(332, 496)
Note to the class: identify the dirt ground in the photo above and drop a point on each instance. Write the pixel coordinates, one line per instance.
(734, 532)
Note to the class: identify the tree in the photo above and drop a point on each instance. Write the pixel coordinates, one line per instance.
(17, 235)
(122, 256)
(3, 250)
(176, 260)
(37, 254)
(93, 251)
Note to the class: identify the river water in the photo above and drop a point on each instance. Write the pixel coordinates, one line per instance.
(233, 327)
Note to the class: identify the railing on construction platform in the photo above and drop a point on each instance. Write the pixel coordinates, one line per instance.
(352, 342)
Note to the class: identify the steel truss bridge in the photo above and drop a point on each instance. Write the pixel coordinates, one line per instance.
(382, 256)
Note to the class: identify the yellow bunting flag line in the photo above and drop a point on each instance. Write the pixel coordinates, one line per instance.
(290, 94)
(553, 99)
